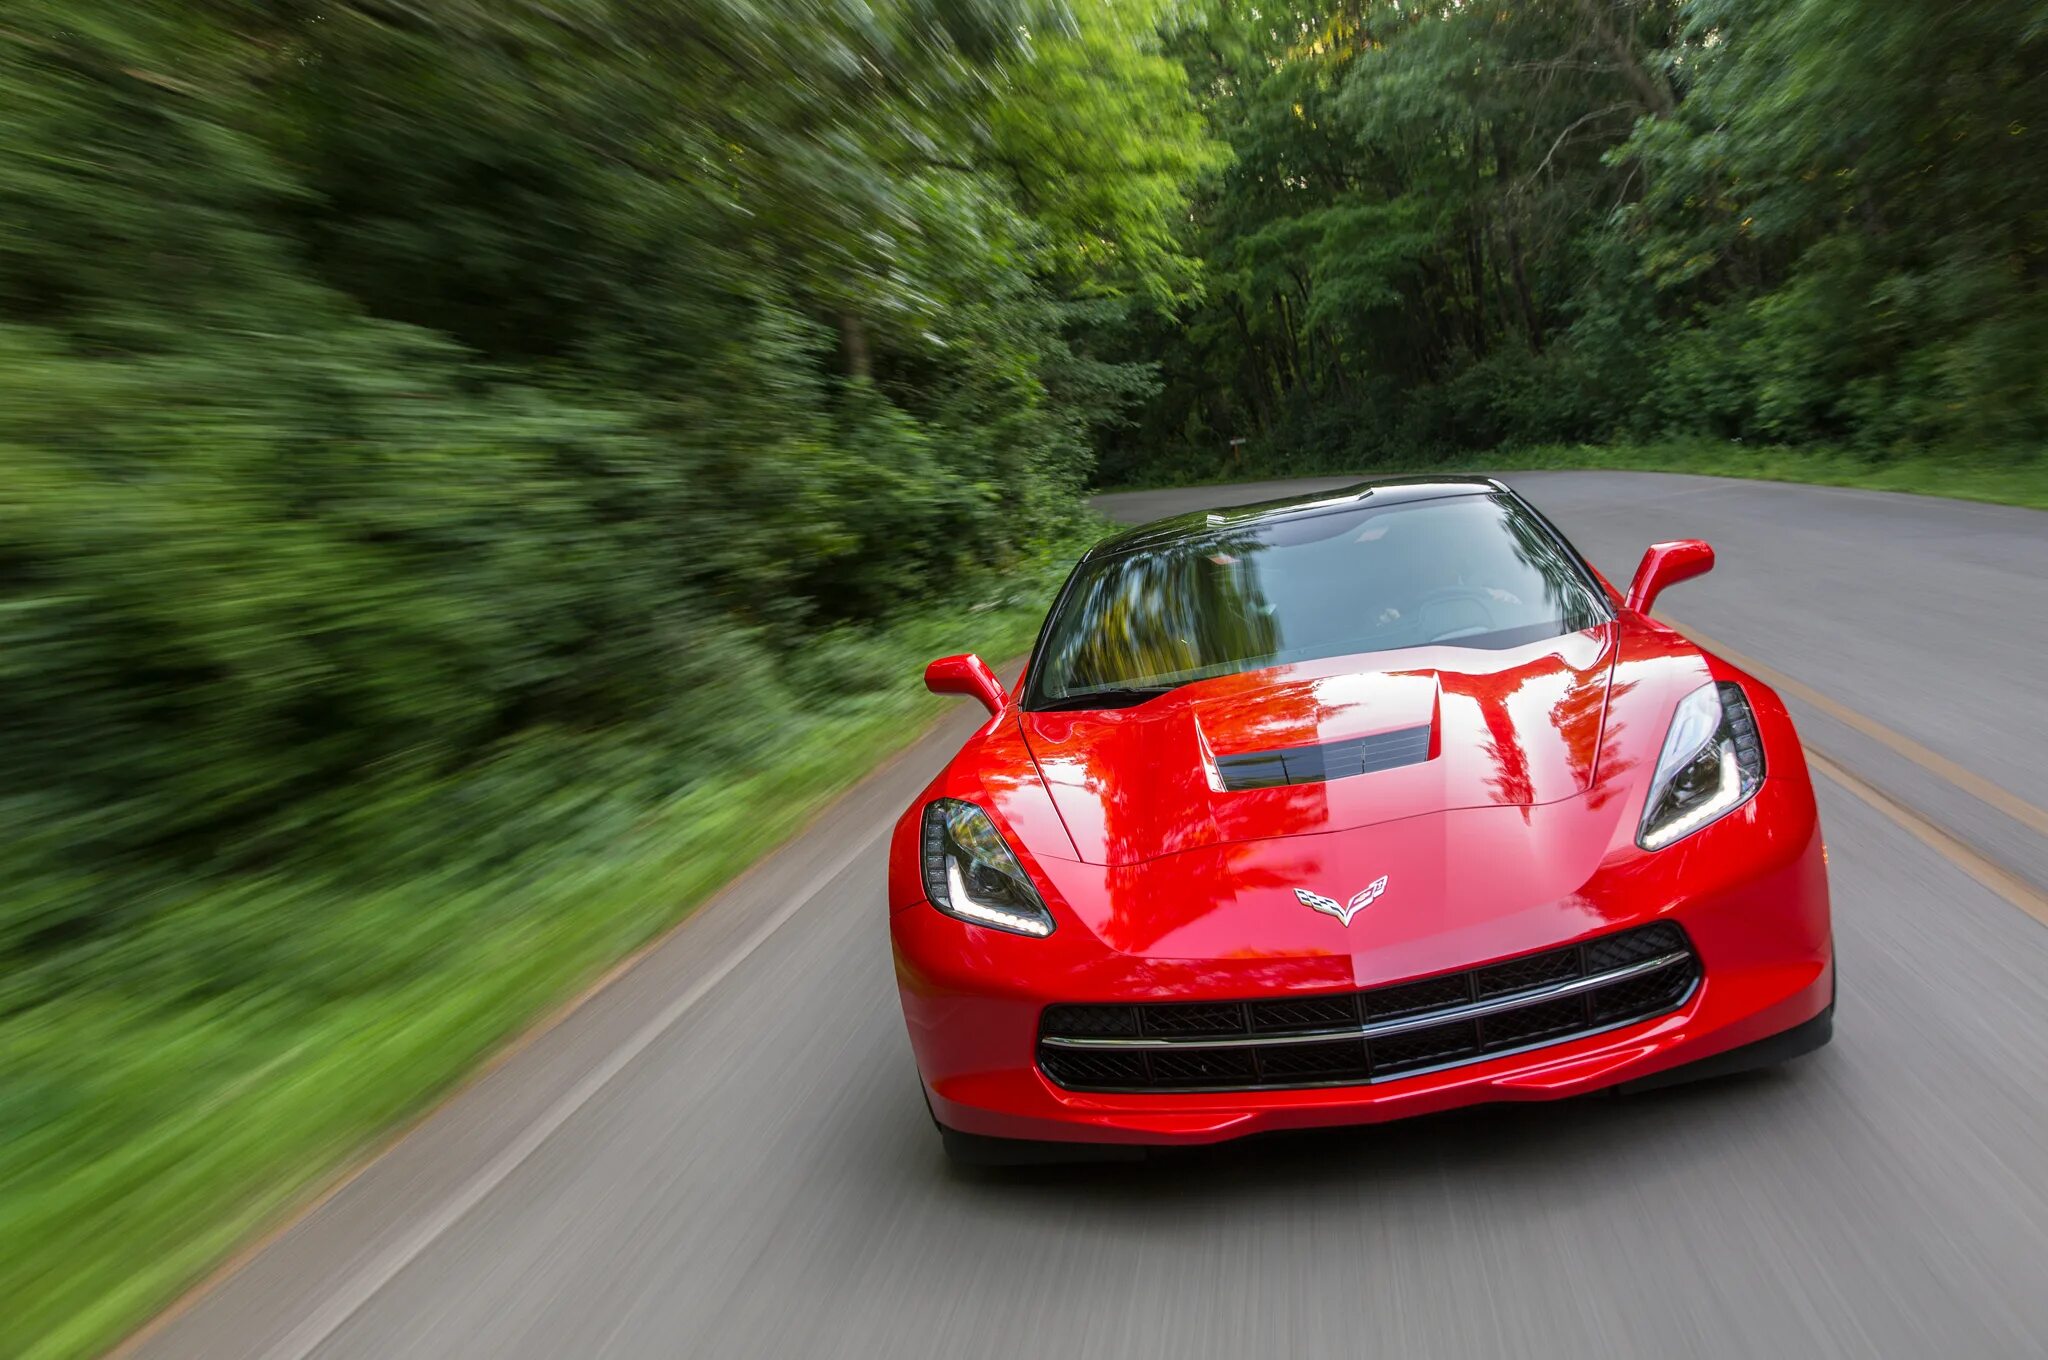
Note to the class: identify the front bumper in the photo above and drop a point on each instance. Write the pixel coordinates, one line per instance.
(1762, 938)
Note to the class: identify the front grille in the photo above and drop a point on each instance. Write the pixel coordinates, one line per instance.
(1201, 1019)
(1354, 1038)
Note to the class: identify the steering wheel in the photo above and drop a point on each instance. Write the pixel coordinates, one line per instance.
(1449, 598)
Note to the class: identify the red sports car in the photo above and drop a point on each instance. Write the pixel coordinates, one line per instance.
(1345, 808)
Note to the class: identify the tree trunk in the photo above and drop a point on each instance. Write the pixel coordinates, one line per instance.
(853, 343)
(1254, 364)
(1518, 269)
(1292, 353)
(1475, 264)
(1338, 369)
(1525, 297)
(1648, 85)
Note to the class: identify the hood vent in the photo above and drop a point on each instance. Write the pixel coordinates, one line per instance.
(1319, 764)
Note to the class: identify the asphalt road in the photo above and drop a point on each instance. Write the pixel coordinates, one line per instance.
(724, 1154)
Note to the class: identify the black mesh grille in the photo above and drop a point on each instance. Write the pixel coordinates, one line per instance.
(1512, 1029)
(1413, 1048)
(1411, 998)
(1099, 1068)
(1227, 1018)
(1631, 946)
(1091, 1022)
(1649, 993)
(1310, 1012)
(1315, 1062)
(1202, 1067)
(1318, 1041)
(1519, 975)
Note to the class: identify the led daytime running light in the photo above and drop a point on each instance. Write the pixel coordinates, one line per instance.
(1713, 735)
(971, 874)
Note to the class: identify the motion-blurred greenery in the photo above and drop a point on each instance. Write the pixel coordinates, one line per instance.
(477, 473)
(253, 1034)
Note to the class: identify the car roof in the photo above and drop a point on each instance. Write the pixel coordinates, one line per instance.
(1379, 491)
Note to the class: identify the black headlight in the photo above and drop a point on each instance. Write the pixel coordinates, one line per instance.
(1712, 762)
(970, 872)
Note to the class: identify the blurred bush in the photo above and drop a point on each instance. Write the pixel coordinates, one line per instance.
(389, 389)
(445, 444)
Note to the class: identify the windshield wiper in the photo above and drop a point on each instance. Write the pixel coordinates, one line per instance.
(1105, 698)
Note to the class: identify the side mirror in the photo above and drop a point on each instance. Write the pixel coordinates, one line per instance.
(969, 675)
(1666, 564)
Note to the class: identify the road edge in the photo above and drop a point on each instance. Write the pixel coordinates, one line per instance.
(324, 1189)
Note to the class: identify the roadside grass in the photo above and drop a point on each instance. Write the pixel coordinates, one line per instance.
(2002, 479)
(141, 1141)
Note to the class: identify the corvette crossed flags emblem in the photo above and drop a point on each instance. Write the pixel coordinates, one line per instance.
(1329, 906)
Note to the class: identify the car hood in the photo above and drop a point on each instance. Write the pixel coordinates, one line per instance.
(1433, 893)
(1437, 729)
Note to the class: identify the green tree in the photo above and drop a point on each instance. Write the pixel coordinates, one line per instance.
(442, 439)
(1455, 225)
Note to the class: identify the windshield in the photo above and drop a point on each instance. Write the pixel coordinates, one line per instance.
(1467, 571)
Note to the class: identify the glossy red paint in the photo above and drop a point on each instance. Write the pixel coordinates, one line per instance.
(1665, 565)
(1517, 835)
(1519, 727)
(966, 674)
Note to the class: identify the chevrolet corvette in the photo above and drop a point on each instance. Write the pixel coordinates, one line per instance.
(1345, 808)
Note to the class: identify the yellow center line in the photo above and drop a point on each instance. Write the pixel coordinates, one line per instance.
(1978, 787)
(1994, 876)
(2011, 886)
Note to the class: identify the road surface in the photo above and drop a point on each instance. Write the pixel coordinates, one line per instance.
(724, 1154)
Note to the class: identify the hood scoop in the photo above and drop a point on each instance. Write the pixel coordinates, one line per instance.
(1320, 763)
(1271, 753)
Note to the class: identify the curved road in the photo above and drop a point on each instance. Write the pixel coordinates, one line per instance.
(723, 1153)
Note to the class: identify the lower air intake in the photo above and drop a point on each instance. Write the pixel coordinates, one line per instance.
(1354, 1038)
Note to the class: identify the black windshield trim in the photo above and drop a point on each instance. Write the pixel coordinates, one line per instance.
(1106, 696)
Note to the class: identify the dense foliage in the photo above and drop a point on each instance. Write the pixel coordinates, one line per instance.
(510, 394)
(466, 461)
(475, 468)
(1454, 225)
